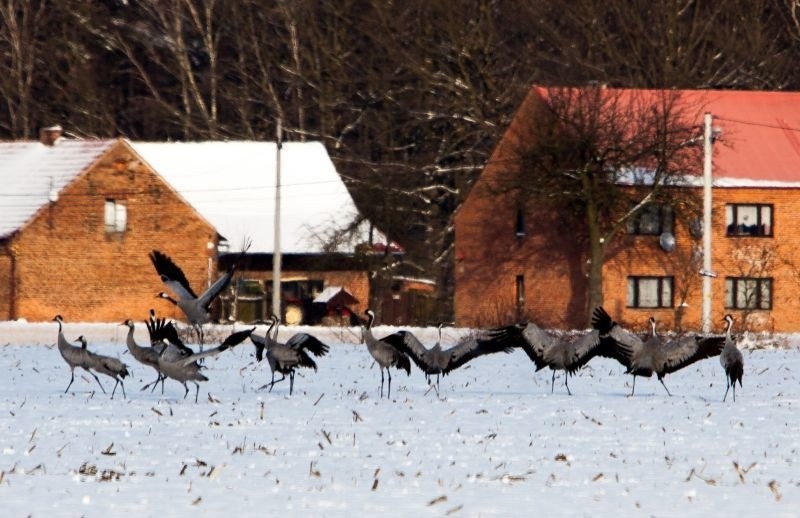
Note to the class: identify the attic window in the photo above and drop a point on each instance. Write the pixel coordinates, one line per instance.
(520, 223)
(115, 216)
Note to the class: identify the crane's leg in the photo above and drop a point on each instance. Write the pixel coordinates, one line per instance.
(727, 388)
(186, 393)
(152, 384)
(566, 377)
(115, 387)
(734, 391)
(121, 384)
(381, 368)
(291, 382)
(633, 388)
(665, 387)
(97, 379)
(196, 391)
(71, 379)
(273, 382)
(200, 337)
(553, 382)
(437, 383)
(389, 392)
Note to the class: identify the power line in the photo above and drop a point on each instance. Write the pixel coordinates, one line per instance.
(181, 191)
(761, 124)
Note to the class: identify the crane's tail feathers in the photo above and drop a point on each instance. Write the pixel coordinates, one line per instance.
(404, 363)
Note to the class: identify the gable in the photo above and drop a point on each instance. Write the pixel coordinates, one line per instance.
(34, 174)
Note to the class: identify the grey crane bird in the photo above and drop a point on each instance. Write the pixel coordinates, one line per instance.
(181, 365)
(557, 353)
(659, 356)
(74, 356)
(442, 361)
(145, 355)
(111, 367)
(385, 354)
(731, 360)
(285, 358)
(194, 307)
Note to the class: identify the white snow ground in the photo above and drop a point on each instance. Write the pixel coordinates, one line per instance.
(497, 442)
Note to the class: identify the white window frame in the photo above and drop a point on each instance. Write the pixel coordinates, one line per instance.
(115, 216)
(738, 222)
(663, 297)
(748, 293)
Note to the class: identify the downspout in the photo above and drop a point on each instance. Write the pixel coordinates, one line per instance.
(12, 282)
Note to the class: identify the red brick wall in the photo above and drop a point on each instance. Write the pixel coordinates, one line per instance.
(68, 264)
(732, 256)
(489, 257)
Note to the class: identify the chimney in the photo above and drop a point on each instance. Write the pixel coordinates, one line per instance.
(49, 135)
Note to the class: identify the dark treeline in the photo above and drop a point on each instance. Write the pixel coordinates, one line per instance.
(409, 97)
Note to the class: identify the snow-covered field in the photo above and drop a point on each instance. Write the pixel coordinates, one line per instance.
(496, 441)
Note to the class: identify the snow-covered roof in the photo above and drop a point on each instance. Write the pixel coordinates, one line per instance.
(32, 173)
(336, 294)
(232, 184)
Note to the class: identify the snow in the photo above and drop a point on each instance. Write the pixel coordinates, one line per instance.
(34, 174)
(495, 443)
(232, 185)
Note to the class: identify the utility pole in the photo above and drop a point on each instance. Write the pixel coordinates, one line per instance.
(276, 254)
(707, 272)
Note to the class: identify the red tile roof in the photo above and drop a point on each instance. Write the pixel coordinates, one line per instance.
(760, 140)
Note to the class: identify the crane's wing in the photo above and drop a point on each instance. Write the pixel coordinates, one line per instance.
(208, 296)
(308, 342)
(615, 341)
(260, 342)
(530, 338)
(406, 343)
(584, 349)
(686, 350)
(236, 338)
(215, 289)
(160, 331)
(469, 348)
(172, 275)
(230, 342)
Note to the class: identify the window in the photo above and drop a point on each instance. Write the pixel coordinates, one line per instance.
(650, 292)
(652, 220)
(748, 293)
(748, 220)
(116, 216)
(520, 224)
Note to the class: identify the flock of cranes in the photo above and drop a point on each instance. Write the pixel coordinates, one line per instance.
(172, 359)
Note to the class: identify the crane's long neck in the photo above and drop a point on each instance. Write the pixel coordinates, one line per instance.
(728, 330)
(268, 340)
(275, 331)
(369, 339)
(129, 339)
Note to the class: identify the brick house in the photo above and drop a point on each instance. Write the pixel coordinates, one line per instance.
(541, 273)
(77, 221)
(233, 185)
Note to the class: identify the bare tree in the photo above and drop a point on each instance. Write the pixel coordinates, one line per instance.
(20, 50)
(597, 157)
